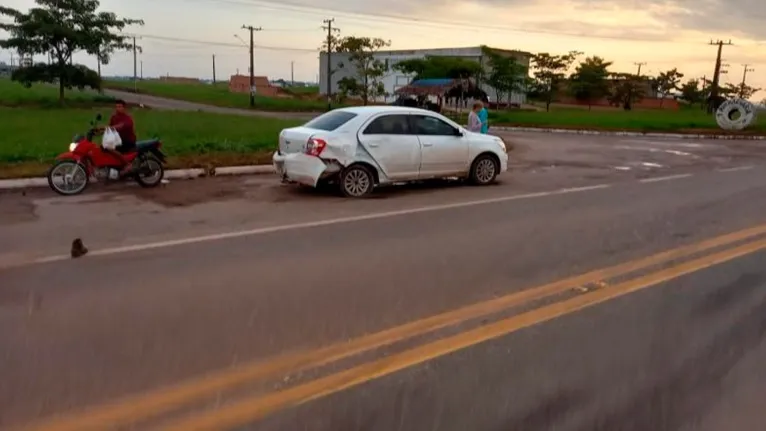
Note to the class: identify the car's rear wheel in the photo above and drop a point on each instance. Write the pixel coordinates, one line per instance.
(356, 181)
(484, 170)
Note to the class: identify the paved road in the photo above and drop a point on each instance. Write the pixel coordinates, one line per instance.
(182, 105)
(292, 272)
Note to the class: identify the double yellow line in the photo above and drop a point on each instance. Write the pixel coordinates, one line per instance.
(680, 261)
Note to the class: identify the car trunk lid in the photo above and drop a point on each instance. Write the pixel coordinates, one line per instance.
(294, 140)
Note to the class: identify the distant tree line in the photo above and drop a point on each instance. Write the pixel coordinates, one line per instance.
(59, 29)
(548, 77)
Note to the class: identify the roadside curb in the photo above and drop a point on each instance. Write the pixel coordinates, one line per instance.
(631, 134)
(174, 174)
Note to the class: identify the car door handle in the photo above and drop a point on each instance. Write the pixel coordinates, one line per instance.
(428, 144)
(373, 144)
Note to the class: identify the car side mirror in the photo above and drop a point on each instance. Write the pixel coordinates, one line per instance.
(458, 132)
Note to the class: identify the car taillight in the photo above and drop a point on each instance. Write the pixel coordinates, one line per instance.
(315, 146)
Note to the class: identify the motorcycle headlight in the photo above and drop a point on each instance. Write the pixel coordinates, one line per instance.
(72, 146)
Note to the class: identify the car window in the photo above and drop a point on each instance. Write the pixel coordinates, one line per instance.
(388, 125)
(330, 121)
(427, 125)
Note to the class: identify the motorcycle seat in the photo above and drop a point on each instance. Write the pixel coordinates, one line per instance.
(146, 143)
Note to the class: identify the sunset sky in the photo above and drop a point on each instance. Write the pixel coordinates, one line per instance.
(661, 33)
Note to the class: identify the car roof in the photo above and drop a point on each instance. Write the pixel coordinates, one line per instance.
(378, 109)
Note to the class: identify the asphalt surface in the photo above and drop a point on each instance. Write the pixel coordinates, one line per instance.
(685, 354)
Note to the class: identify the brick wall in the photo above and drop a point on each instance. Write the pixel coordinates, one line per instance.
(241, 84)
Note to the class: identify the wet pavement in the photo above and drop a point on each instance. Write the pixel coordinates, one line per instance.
(229, 274)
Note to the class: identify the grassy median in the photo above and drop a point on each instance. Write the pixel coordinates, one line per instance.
(33, 137)
(218, 95)
(13, 94)
(682, 120)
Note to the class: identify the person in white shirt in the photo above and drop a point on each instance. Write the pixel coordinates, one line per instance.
(474, 123)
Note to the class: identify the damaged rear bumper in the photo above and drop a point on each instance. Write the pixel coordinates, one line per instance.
(303, 169)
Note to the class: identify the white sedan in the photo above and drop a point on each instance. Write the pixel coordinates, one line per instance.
(362, 147)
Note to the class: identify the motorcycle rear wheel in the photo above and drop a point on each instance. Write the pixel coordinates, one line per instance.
(69, 169)
(151, 166)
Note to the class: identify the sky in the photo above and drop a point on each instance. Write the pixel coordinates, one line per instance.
(663, 34)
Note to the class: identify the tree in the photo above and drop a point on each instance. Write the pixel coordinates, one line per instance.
(436, 67)
(627, 89)
(590, 82)
(61, 28)
(741, 90)
(691, 92)
(550, 72)
(506, 75)
(367, 70)
(666, 82)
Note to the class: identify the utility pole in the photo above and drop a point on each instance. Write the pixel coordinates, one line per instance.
(252, 63)
(329, 29)
(142, 70)
(135, 66)
(213, 69)
(716, 75)
(292, 73)
(744, 79)
(639, 67)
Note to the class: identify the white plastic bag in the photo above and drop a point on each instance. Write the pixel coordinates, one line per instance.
(111, 139)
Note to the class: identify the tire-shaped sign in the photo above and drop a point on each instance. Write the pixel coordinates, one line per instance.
(735, 114)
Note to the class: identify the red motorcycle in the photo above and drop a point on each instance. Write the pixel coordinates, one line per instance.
(72, 171)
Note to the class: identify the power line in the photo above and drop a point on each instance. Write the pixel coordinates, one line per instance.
(215, 43)
(252, 63)
(330, 29)
(643, 63)
(402, 19)
(742, 88)
(713, 103)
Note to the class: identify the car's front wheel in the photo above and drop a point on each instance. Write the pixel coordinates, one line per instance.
(484, 170)
(356, 181)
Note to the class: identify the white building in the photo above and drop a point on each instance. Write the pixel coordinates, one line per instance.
(394, 79)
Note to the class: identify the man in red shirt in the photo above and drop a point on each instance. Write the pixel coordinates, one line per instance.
(122, 122)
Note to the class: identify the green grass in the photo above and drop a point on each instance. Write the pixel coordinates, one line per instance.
(38, 135)
(605, 119)
(308, 90)
(46, 95)
(218, 95)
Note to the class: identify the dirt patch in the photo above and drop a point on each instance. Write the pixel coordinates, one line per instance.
(183, 193)
(17, 207)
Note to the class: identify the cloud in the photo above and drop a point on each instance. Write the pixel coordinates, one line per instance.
(719, 18)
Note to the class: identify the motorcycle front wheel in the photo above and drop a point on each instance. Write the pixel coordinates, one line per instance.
(68, 177)
(149, 172)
